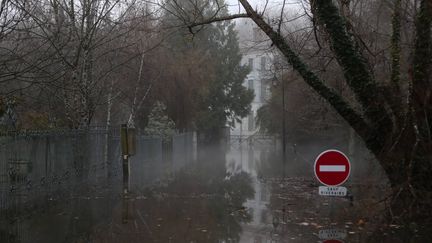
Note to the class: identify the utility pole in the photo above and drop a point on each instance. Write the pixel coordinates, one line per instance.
(279, 67)
(283, 123)
(240, 143)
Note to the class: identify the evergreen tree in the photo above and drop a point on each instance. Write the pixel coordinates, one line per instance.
(227, 99)
(159, 124)
(222, 99)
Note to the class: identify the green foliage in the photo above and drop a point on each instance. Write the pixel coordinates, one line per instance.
(222, 98)
(159, 124)
(395, 43)
(227, 99)
(357, 75)
(265, 120)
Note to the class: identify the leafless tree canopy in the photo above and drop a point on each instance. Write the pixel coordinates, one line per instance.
(79, 62)
(379, 52)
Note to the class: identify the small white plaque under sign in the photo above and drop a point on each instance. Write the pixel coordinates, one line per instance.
(334, 191)
(332, 234)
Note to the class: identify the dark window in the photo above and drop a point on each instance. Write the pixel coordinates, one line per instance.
(250, 84)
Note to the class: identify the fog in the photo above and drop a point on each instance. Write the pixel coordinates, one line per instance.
(162, 121)
(239, 190)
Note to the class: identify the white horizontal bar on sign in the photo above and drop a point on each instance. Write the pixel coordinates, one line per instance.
(332, 168)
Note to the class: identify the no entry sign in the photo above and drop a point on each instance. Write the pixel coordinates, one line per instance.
(332, 168)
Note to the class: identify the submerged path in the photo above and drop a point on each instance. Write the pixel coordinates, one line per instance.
(237, 196)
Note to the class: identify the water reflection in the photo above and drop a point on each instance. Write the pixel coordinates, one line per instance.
(201, 202)
(289, 209)
(245, 157)
(237, 195)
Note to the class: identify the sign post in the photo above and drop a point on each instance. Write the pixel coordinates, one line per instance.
(128, 146)
(332, 168)
(125, 157)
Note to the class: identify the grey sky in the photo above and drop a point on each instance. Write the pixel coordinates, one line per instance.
(234, 4)
(293, 10)
(273, 4)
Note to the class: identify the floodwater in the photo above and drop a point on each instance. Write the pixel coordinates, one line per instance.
(238, 194)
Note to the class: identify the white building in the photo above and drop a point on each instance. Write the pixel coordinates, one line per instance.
(257, 54)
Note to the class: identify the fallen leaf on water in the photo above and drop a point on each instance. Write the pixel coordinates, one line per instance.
(316, 225)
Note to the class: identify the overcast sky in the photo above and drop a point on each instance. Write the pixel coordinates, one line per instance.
(260, 4)
(255, 3)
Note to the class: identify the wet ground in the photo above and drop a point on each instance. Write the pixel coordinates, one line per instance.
(239, 195)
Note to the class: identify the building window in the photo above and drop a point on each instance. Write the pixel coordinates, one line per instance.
(250, 84)
(263, 63)
(251, 63)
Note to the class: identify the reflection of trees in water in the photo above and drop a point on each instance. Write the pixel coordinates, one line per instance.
(271, 164)
(208, 201)
(7, 236)
(202, 203)
(299, 212)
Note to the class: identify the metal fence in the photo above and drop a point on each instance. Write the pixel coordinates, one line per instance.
(36, 167)
(183, 149)
(148, 164)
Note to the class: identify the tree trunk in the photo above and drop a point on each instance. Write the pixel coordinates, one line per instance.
(131, 120)
(401, 143)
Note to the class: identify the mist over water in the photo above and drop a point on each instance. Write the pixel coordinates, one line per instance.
(239, 192)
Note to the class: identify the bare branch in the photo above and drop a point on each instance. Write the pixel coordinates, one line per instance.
(218, 19)
(281, 17)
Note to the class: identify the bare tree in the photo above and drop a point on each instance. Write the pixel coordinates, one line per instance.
(72, 40)
(395, 127)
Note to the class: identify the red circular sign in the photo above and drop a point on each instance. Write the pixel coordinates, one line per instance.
(332, 167)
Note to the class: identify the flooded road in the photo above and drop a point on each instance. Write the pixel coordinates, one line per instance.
(232, 195)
